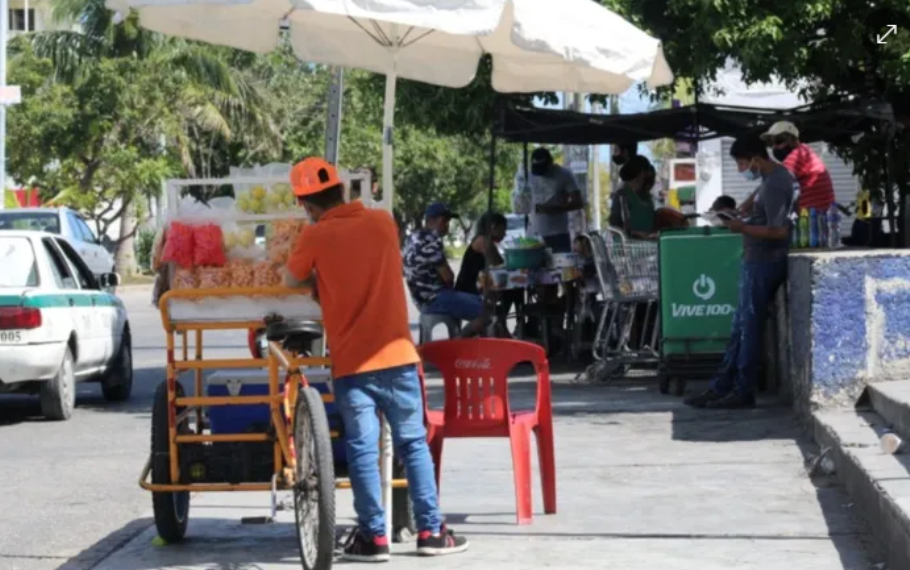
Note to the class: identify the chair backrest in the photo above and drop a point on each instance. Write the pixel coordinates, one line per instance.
(475, 374)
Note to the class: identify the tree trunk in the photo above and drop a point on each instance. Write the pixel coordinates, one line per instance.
(124, 254)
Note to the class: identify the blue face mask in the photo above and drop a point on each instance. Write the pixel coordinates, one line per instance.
(750, 174)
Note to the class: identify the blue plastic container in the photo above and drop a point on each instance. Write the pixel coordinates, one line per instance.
(256, 418)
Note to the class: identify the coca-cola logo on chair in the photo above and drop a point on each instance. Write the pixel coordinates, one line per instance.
(473, 364)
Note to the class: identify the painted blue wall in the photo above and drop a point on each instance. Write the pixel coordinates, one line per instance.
(842, 329)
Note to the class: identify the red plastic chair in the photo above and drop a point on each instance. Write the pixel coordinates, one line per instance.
(475, 374)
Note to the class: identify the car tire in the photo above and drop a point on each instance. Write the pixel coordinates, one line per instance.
(58, 395)
(117, 383)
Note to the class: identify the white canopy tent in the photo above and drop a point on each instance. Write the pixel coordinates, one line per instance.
(575, 45)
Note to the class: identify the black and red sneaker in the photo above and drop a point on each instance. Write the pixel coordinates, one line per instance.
(439, 544)
(361, 548)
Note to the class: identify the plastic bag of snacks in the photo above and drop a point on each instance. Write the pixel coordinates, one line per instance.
(183, 278)
(280, 250)
(212, 277)
(208, 245)
(241, 272)
(265, 275)
(178, 245)
(287, 230)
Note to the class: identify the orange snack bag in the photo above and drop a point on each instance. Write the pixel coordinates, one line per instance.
(212, 277)
(183, 279)
(241, 273)
(265, 275)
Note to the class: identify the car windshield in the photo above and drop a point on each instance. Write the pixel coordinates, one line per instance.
(38, 221)
(18, 261)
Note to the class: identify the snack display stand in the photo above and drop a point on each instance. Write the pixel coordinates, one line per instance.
(293, 450)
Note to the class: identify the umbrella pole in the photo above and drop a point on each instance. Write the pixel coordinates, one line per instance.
(388, 197)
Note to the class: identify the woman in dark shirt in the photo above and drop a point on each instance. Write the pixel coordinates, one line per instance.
(474, 260)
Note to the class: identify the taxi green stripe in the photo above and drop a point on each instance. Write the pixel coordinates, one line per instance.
(54, 300)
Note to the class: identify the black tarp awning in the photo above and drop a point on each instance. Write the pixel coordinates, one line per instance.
(832, 123)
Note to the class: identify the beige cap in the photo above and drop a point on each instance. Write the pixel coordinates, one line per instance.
(781, 128)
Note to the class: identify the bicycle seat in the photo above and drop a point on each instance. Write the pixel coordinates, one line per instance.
(294, 331)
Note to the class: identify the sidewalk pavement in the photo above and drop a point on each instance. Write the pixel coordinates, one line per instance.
(643, 484)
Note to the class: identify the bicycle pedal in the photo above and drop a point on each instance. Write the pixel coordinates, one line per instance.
(257, 520)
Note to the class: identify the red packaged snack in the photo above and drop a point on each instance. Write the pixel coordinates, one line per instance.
(208, 245)
(178, 245)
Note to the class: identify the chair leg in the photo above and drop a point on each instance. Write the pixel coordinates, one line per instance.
(520, 439)
(546, 454)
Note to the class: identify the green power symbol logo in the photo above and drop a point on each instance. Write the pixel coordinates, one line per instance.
(704, 287)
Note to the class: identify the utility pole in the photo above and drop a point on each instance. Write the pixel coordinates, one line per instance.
(333, 114)
(4, 33)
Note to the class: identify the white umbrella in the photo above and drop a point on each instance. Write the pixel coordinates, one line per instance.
(570, 45)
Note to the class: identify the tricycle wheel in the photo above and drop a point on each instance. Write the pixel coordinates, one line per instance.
(314, 488)
(171, 510)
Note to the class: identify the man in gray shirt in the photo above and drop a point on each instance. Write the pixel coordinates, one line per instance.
(766, 238)
(554, 193)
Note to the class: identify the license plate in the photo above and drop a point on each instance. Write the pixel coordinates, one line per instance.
(10, 337)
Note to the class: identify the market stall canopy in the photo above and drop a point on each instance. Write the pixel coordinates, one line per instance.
(578, 46)
(831, 123)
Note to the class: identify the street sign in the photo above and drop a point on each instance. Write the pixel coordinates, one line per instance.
(10, 95)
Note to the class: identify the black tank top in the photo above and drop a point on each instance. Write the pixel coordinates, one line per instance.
(471, 266)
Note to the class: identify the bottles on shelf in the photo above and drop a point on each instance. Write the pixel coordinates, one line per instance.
(815, 229)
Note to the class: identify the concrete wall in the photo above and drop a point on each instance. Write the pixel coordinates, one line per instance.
(849, 321)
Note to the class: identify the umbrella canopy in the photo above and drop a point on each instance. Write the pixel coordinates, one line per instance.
(570, 45)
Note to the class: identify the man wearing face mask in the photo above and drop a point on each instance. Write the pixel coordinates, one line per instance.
(815, 187)
(554, 194)
(766, 239)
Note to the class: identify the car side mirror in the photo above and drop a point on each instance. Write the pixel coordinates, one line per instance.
(109, 280)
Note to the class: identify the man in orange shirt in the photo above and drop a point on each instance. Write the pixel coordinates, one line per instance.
(354, 255)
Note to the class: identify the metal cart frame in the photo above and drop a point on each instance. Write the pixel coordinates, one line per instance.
(285, 406)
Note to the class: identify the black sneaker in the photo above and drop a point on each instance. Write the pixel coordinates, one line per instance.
(732, 401)
(701, 400)
(440, 544)
(360, 548)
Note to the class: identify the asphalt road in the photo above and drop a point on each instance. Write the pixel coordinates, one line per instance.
(68, 490)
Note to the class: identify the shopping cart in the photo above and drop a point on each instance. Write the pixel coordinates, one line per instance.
(627, 329)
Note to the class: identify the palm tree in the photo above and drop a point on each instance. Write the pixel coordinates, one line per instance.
(204, 99)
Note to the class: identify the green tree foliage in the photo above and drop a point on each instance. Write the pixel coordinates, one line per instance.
(825, 48)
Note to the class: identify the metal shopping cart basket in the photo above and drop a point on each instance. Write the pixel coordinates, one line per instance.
(628, 325)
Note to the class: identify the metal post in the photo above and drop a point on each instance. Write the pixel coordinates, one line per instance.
(595, 172)
(333, 115)
(4, 32)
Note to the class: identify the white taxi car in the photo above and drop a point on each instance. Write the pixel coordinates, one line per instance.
(57, 325)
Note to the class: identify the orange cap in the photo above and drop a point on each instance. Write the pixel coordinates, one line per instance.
(313, 175)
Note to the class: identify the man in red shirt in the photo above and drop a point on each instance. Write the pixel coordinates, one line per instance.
(815, 187)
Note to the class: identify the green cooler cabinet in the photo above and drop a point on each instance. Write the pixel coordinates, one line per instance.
(699, 292)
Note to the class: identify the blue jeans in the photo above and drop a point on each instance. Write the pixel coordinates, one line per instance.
(758, 282)
(396, 393)
(463, 306)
